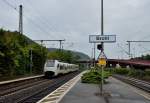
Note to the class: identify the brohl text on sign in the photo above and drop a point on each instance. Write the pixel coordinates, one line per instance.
(102, 38)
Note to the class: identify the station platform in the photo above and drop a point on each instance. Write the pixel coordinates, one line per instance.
(121, 92)
(115, 91)
(19, 79)
(83, 93)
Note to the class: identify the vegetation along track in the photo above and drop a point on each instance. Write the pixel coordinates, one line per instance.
(33, 91)
(135, 82)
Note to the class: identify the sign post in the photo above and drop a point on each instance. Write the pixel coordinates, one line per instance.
(102, 57)
(102, 63)
(101, 39)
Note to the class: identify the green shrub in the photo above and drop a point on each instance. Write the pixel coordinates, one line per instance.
(147, 73)
(94, 77)
(91, 77)
(140, 74)
(136, 73)
(121, 71)
(107, 74)
(147, 78)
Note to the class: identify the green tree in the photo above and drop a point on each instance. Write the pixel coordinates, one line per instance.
(15, 54)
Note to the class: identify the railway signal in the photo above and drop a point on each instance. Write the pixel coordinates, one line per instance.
(99, 46)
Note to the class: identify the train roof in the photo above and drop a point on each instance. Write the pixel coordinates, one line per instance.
(59, 61)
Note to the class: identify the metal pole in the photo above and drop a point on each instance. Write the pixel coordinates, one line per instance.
(94, 53)
(102, 33)
(60, 41)
(42, 54)
(30, 60)
(60, 45)
(102, 24)
(41, 44)
(129, 49)
(20, 20)
(21, 32)
(91, 58)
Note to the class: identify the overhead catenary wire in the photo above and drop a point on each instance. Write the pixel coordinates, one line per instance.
(15, 8)
(42, 20)
(137, 41)
(10, 5)
(123, 49)
(45, 21)
(26, 17)
(42, 23)
(146, 49)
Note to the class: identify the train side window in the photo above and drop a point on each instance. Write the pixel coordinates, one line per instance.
(64, 67)
(58, 66)
(61, 67)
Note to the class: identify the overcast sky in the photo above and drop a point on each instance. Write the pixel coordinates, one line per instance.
(75, 20)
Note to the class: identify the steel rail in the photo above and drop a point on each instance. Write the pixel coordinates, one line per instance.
(135, 82)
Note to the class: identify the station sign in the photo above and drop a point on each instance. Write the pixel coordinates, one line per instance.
(102, 38)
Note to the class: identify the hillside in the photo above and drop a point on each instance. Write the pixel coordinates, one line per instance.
(16, 59)
(79, 55)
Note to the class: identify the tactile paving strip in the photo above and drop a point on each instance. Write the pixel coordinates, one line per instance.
(59, 93)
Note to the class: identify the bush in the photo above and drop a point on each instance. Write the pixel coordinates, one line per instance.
(147, 78)
(94, 77)
(147, 73)
(121, 71)
(136, 73)
(140, 74)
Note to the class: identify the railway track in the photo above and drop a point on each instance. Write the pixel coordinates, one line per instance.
(31, 91)
(135, 82)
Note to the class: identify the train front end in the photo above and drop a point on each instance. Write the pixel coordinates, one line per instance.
(50, 68)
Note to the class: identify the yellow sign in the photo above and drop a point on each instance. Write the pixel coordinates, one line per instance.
(102, 61)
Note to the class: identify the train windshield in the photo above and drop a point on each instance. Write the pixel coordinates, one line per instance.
(50, 63)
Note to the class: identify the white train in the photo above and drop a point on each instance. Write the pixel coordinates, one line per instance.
(54, 68)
